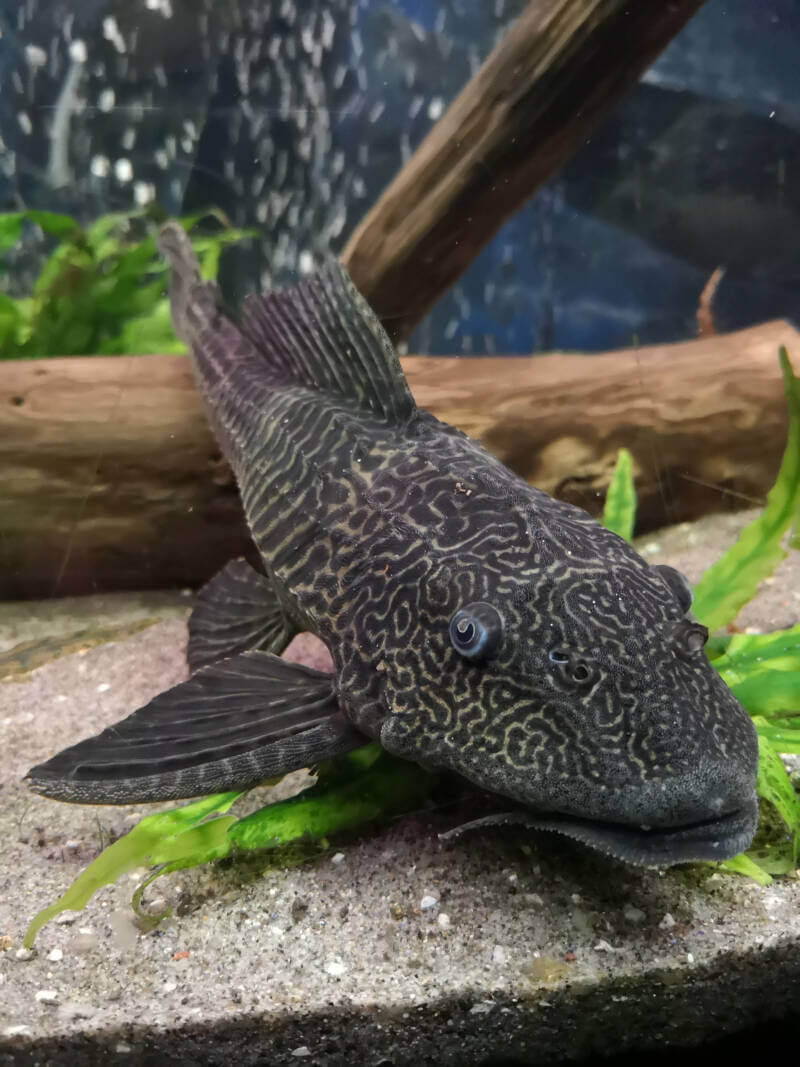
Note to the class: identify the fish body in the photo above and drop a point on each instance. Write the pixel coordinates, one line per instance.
(474, 623)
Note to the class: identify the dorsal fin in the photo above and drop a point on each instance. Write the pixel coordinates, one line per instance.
(323, 334)
(188, 293)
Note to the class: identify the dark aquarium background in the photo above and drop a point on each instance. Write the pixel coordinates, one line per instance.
(293, 115)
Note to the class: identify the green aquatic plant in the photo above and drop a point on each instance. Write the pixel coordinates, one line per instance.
(365, 786)
(619, 513)
(101, 289)
(762, 670)
(370, 786)
(730, 582)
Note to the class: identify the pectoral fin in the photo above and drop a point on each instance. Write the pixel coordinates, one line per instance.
(234, 723)
(236, 611)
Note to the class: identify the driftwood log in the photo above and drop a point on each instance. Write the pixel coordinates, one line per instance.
(541, 91)
(110, 479)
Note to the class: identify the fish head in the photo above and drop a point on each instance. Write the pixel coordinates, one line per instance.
(577, 684)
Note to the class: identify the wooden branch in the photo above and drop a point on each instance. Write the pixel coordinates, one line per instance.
(542, 90)
(110, 479)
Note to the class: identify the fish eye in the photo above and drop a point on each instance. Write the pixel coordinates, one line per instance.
(677, 584)
(476, 631)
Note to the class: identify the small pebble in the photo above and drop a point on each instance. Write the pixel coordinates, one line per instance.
(46, 996)
(633, 915)
(443, 919)
(481, 1008)
(302, 1050)
(24, 954)
(428, 902)
(498, 955)
(336, 859)
(55, 955)
(17, 1031)
(335, 968)
(666, 922)
(103, 687)
(122, 1046)
(66, 918)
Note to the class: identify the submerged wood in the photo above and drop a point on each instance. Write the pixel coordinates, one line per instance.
(541, 91)
(110, 478)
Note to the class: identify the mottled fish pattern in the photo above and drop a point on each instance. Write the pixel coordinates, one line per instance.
(474, 623)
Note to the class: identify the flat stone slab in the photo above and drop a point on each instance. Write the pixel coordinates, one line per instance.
(393, 948)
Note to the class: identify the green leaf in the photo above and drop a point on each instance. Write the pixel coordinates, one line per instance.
(10, 229)
(99, 230)
(102, 290)
(166, 837)
(786, 741)
(147, 334)
(358, 788)
(619, 513)
(351, 797)
(742, 864)
(769, 693)
(11, 322)
(56, 225)
(730, 582)
(776, 858)
(773, 783)
(746, 654)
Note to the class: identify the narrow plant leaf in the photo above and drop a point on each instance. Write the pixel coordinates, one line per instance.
(730, 582)
(160, 838)
(773, 783)
(786, 741)
(10, 229)
(742, 864)
(10, 322)
(747, 654)
(358, 788)
(619, 513)
(769, 692)
(53, 223)
(99, 230)
(389, 787)
(777, 858)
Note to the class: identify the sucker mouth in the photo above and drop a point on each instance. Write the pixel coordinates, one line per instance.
(718, 838)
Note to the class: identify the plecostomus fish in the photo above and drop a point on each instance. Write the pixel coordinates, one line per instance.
(474, 623)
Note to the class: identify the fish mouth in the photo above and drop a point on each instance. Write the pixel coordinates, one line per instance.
(718, 838)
